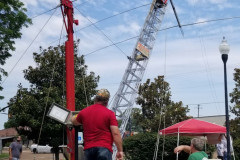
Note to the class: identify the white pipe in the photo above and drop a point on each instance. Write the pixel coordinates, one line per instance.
(231, 145)
(177, 143)
(205, 145)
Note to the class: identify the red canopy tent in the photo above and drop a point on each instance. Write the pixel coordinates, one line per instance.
(193, 127)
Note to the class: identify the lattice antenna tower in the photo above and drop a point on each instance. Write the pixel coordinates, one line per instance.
(125, 98)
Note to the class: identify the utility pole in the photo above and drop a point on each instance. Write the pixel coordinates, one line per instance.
(67, 10)
(198, 107)
(130, 126)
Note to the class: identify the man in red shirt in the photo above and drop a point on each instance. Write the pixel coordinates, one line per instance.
(100, 129)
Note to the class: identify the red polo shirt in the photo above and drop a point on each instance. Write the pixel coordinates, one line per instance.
(96, 120)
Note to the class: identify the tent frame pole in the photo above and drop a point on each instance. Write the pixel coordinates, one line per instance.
(177, 143)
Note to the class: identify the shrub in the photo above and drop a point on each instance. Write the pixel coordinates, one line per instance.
(142, 146)
(8, 144)
(236, 147)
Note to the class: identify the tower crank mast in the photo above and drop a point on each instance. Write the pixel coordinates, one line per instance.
(125, 98)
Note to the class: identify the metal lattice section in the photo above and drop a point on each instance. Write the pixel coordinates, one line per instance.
(125, 98)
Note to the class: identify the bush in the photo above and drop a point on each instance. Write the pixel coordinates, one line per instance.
(8, 144)
(236, 147)
(142, 146)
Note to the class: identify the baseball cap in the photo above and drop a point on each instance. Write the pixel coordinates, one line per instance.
(104, 93)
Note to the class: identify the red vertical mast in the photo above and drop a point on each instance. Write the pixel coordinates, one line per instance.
(67, 10)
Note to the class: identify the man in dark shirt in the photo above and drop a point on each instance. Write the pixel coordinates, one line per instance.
(15, 149)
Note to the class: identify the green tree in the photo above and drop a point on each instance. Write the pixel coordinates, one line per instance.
(12, 18)
(235, 94)
(47, 80)
(234, 123)
(133, 123)
(234, 131)
(155, 101)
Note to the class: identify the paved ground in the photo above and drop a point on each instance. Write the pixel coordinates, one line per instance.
(28, 155)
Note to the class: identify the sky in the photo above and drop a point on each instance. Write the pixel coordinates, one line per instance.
(191, 63)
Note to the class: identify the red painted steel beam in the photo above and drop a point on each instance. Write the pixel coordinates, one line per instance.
(67, 7)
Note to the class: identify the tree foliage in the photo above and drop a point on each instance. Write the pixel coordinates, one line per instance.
(234, 132)
(234, 123)
(142, 146)
(28, 107)
(155, 101)
(12, 18)
(236, 147)
(235, 94)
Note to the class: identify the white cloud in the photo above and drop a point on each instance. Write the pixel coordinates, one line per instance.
(91, 41)
(228, 5)
(132, 29)
(29, 3)
(186, 61)
(197, 2)
(40, 3)
(217, 1)
(83, 21)
(200, 21)
(49, 2)
(125, 30)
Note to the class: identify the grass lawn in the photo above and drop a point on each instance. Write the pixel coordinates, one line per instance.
(3, 155)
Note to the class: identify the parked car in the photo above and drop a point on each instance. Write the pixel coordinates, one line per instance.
(40, 148)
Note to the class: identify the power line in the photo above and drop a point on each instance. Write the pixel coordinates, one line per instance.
(208, 69)
(50, 86)
(189, 24)
(87, 54)
(29, 46)
(55, 8)
(192, 72)
(104, 20)
(184, 25)
(76, 31)
(113, 16)
(102, 33)
(212, 20)
(44, 12)
(201, 22)
(167, 28)
(203, 103)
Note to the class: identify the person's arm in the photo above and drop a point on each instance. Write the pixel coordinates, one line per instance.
(118, 141)
(10, 153)
(75, 121)
(184, 148)
(20, 153)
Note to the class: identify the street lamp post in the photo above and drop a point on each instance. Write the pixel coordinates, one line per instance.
(224, 50)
